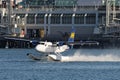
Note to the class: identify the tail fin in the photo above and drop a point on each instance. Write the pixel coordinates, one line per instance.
(72, 35)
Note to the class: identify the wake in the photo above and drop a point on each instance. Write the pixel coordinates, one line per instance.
(84, 57)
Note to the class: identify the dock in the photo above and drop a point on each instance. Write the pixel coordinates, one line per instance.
(17, 42)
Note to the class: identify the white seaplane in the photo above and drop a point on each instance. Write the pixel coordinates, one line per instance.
(52, 50)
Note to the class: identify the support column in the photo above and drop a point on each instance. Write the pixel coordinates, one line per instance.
(26, 23)
(96, 19)
(49, 22)
(107, 16)
(45, 24)
(10, 10)
(85, 18)
(35, 18)
(73, 19)
(61, 18)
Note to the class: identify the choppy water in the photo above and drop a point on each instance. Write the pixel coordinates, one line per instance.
(84, 64)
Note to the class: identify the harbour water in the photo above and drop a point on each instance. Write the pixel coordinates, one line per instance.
(83, 64)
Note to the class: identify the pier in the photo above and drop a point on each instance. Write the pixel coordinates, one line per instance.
(2, 42)
(12, 43)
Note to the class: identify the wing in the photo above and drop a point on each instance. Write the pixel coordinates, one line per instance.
(33, 41)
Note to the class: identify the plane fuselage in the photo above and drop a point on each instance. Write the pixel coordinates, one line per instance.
(48, 47)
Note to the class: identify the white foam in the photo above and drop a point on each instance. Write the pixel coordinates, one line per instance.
(84, 57)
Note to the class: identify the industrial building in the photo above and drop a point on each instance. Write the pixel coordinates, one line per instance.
(53, 19)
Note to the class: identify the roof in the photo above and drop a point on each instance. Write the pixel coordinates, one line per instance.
(89, 2)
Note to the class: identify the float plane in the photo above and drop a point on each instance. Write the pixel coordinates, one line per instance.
(51, 50)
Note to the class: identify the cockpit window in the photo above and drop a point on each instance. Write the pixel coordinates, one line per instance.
(42, 43)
